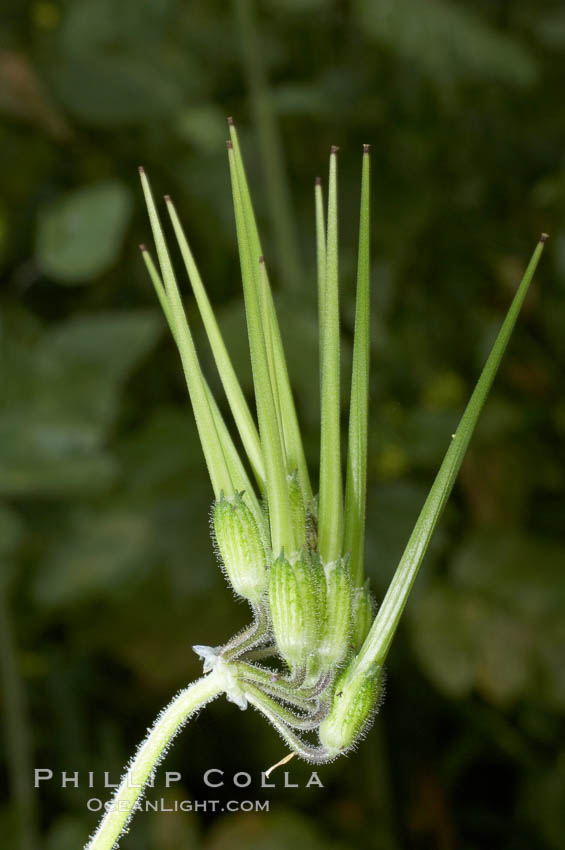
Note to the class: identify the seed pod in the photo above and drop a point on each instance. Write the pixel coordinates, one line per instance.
(297, 510)
(363, 613)
(336, 625)
(319, 578)
(292, 603)
(354, 704)
(240, 548)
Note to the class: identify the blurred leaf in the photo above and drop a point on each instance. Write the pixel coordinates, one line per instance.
(115, 91)
(102, 553)
(446, 41)
(107, 345)
(443, 623)
(51, 458)
(496, 625)
(166, 663)
(163, 453)
(464, 641)
(80, 235)
(112, 67)
(60, 395)
(520, 573)
(91, 25)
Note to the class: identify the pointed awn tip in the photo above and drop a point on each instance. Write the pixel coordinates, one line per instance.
(366, 148)
(318, 181)
(544, 237)
(167, 198)
(334, 148)
(230, 121)
(141, 169)
(143, 247)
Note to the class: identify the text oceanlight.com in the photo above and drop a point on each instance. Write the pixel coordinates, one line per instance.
(162, 805)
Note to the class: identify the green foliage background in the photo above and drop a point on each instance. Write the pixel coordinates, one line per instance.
(108, 575)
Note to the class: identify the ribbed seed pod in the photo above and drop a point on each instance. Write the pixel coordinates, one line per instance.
(363, 614)
(354, 703)
(319, 578)
(292, 602)
(241, 548)
(297, 510)
(336, 625)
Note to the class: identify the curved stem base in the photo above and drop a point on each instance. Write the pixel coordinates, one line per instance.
(149, 754)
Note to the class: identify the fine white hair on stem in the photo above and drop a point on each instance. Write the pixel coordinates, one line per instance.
(149, 755)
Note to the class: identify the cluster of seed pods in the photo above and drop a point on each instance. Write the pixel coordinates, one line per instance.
(308, 619)
(312, 659)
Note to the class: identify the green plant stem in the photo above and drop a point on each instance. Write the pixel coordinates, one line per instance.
(356, 482)
(211, 445)
(330, 507)
(320, 262)
(240, 410)
(263, 292)
(378, 640)
(292, 436)
(309, 752)
(236, 470)
(152, 750)
(282, 534)
(249, 638)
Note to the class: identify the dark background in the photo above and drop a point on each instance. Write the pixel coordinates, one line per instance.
(108, 574)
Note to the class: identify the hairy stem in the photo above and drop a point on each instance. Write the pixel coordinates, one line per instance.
(309, 752)
(254, 635)
(148, 756)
